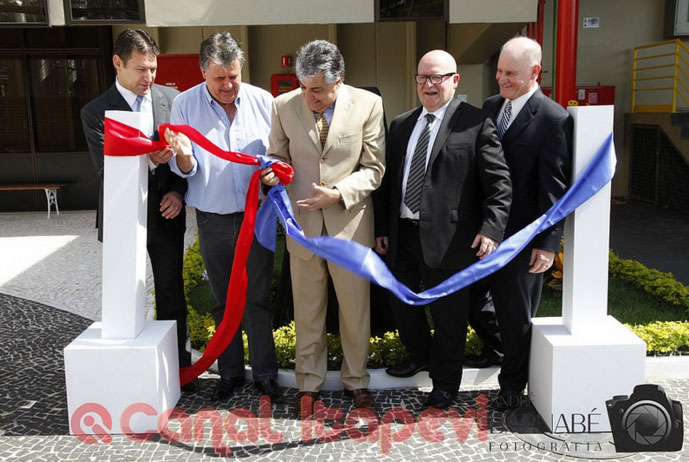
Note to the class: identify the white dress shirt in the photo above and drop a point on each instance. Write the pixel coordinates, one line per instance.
(517, 105)
(411, 146)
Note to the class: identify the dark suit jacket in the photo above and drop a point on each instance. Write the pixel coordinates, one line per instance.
(93, 119)
(538, 149)
(466, 188)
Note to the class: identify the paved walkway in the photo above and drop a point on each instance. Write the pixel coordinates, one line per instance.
(657, 237)
(50, 292)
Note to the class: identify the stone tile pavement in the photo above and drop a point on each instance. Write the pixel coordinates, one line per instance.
(50, 292)
(34, 427)
(58, 261)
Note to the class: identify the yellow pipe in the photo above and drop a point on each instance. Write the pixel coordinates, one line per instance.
(659, 77)
(654, 67)
(674, 82)
(657, 44)
(654, 56)
(655, 89)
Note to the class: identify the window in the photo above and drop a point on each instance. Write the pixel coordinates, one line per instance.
(411, 10)
(60, 87)
(14, 130)
(104, 11)
(23, 12)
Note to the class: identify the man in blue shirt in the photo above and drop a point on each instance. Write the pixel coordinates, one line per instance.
(236, 117)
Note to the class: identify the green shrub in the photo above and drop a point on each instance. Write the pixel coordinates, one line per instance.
(663, 338)
(652, 281)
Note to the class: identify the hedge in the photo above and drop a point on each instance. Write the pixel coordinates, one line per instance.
(662, 338)
(651, 281)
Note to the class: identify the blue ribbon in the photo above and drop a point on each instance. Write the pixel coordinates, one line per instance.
(364, 262)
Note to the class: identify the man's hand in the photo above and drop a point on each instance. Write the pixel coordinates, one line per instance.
(485, 245)
(541, 260)
(268, 177)
(321, 197)
(181, 145)
(171, 205)
(381, 245)
(162, 156)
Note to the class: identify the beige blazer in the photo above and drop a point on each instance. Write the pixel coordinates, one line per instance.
(352, 160)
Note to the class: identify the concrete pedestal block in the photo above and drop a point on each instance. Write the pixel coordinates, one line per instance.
(121, 385)
(572, 375)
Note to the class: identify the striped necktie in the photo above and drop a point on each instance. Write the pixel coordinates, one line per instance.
(417, 169)
(505, 122)
(322, 126)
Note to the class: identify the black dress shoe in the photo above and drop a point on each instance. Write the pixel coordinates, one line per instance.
(508, 399)
(440, 399)
(407, 369)
(191, 387)
(271, 389)
(481, 362)
(225, 388)
(304, 404)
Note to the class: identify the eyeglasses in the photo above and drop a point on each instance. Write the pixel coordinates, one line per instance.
(434, 78)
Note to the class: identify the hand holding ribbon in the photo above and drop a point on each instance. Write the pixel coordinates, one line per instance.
(123, 140)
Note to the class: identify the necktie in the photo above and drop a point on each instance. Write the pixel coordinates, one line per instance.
(138, 102)
(417, 169)
(322, 126)
(506, 115)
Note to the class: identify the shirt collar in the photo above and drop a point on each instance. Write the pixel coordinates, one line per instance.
(438, 113)
(519, 102)
(211, 100)
(128, 95)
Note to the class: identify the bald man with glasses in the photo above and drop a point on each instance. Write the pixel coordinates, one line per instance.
(443, 204)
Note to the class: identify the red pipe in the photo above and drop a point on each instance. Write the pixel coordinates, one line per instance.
(539, 22)
(566, 57)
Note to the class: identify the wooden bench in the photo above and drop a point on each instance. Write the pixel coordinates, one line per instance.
(50, 191)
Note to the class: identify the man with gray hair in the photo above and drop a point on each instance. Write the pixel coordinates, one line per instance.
(236, 117)
(536, 135)
(334, 138)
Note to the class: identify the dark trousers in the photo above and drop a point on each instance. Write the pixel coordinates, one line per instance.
(165, 245)
(217, 238)
(444, 350)
(483, 320)
(516, 294)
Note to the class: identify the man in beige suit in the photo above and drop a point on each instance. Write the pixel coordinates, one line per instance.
(334, 138)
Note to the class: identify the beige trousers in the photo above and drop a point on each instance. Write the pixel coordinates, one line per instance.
(310, 291)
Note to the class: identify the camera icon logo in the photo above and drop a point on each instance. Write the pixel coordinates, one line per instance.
(646, 421)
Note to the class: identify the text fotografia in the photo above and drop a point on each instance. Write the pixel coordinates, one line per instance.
(91, 423)
(560, 447)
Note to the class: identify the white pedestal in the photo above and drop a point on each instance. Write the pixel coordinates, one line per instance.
(586, 357)
(116, 374)
(121, 374)
(125, 198)
(572, 375)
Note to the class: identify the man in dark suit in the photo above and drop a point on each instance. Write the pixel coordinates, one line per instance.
(135, 62)
(536, 136)
(446, 191)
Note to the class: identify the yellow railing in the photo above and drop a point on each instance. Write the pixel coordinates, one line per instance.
(660, 73)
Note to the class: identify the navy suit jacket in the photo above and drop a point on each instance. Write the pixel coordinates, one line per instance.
(538, 149)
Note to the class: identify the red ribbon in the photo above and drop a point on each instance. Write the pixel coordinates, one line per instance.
(123, 140)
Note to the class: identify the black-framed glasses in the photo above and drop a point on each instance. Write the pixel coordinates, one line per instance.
(434, 78)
